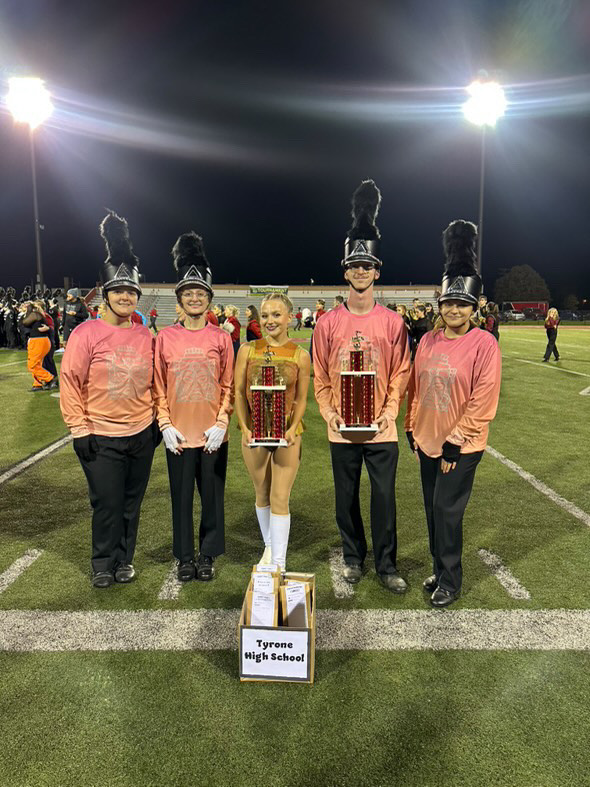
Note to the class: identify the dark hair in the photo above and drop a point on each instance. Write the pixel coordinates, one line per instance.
(339, 298)
(392, 306)
(254, 313)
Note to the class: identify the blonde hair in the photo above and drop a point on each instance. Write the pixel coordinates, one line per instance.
(38, 306)
(279, 296)
(234, 311)
(553, 314)
(101, 310)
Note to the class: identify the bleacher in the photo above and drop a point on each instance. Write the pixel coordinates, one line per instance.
(163, 298)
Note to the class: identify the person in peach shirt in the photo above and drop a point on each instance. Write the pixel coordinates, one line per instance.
(106, 402)
(193, 378)
(382, 337)
(452, 397)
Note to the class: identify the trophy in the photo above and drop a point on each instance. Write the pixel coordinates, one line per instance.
(357, 391)
(268, 406)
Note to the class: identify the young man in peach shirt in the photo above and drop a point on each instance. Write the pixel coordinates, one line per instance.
(381, 336)
(193, 379)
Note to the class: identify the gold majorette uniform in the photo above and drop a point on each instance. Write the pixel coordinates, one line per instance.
(286, 359)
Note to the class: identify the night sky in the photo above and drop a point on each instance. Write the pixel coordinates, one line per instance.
(253, 122)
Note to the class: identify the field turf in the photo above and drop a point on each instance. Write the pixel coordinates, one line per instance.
(373, 717)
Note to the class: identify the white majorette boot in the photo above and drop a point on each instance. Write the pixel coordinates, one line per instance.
(280, 525)
(263, 515)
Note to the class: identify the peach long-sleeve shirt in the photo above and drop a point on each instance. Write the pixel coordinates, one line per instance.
(193, 380)
(453, 391)
(384, 339)
(106, 380)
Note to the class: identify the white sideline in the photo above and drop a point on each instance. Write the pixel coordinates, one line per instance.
(571, 508)
(341, 588)
(504, 576)
(548, 366)
(585, 391)
(17, 568)
(26, 463)
(12, 363)
(216, 629)
(170, 590)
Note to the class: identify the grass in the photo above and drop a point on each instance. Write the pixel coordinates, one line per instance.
(415, 718)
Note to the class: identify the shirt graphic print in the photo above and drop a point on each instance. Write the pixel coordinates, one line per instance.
(195, 377)
(128, 373)
(439, 380)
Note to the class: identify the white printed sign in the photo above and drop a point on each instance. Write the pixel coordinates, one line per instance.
(263, 583)
(274, 654)
(263, 609)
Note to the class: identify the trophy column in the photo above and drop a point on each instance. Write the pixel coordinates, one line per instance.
(268, 409)
(357, 392)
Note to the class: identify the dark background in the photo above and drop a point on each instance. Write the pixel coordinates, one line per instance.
(253, 123)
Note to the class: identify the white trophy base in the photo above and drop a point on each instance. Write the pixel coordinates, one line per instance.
(268, 443)
(368, 428)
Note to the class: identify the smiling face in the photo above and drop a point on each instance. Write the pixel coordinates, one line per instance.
(361, 275)
(122, 301)
(275, 318)
(456, 313)
(194, 300)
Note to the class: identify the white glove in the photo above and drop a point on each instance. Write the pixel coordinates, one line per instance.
(214, 435)
(173, 439)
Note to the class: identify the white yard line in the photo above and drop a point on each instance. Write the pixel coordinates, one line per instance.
(549, 365)
(12, 363)
(19, 566)
(585, 391)
(560, 501)
(170, 590)
(504, 576)
(25, 464)
(341, 588)
(371, 629)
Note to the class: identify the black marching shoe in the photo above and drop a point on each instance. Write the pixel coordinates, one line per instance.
(394, 582)
(430, 584)
(102, 579)
(186, 571)
(442, 598)
(205, 568)
(352, 573)
(124, 573)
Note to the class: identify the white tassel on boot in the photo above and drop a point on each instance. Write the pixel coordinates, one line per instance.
(263, 515)
(280, 525)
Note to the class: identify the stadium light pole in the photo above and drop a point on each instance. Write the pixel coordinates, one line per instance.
(485, 105)
(29, 101)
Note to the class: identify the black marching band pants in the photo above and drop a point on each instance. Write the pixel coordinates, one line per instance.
(445, 499)
(551, 346)
(209, 471)
(381, 463)
(117, 480)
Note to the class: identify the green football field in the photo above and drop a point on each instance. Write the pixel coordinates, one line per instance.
(493, 691)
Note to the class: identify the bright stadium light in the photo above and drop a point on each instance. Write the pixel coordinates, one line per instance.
(29, 101)
(486, 103)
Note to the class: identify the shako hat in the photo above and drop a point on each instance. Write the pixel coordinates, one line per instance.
(461, 280)
(120, 269)
(362, 241)
(191, 264)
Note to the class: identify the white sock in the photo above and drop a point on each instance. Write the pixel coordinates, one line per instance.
(280, 525)
(263, 515)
